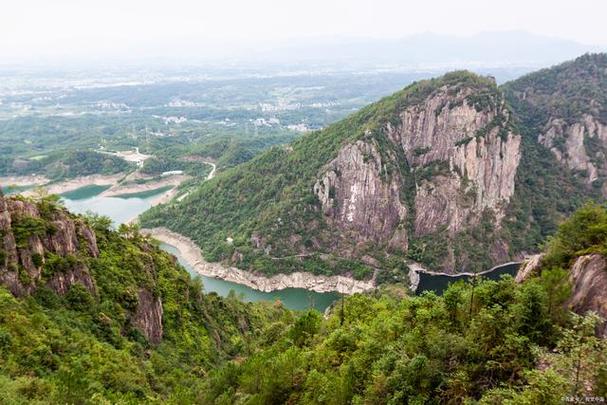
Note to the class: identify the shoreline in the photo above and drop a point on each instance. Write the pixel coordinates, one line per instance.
(132, 188)
(193, 255)
(68, 185)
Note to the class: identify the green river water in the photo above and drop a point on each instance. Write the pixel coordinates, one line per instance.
(125, 208)
(122, 209)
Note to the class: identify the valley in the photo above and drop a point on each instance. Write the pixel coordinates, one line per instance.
(443, 244)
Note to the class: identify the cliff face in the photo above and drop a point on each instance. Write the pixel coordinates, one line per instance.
(437, 168)
(358, 199)
(580, 145)
(42, 244)
(588, 277)
(28, 241)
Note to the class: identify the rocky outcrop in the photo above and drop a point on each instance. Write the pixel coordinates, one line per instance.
(28, 237)
(42, 244)
(473, 152)
(459, 153)
(581, 145)
(358, 200)
(528, 268)
(148, 317)
(192, 254)
(588, 277)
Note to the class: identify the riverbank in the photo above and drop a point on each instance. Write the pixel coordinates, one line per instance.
(23, 181)
(68, 185)
(193, 255)
(133, 188)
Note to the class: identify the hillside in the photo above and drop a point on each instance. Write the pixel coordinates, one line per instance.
(453, 173)
(423, 174)
(92, 315)
(561, 113)
(88, 314)
(486, 342)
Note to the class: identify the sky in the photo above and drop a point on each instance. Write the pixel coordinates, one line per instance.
(71, 29)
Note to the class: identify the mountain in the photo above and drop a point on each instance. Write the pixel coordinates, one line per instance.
(561, 113)
(455, 173)
(94, 315)
(424, 173)
(88, 312)
(492, 48)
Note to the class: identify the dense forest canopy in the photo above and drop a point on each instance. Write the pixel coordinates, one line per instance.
(495, 342)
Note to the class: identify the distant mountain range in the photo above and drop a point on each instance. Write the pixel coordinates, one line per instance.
(502, 48)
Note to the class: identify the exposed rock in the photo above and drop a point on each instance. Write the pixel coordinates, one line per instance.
(148, 317)
(358, 201)
(528, 268)
(579, 145)
(22, 268)
(462, 159)
(62, 281)
(192, 254)
(588, 277)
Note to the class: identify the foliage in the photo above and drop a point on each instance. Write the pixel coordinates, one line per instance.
(566, 92)
(583, 233)
(476, 343)
(82, 347)
(267, 205)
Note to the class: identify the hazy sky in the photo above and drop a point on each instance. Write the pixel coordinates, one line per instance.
(31, 29)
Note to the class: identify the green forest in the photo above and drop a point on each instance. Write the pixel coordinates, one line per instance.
(486, 342)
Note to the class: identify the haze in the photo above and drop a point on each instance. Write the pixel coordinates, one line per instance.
(67, 30)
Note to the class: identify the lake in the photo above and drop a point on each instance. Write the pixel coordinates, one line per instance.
(122, 209)
(119, 209)
(439, 283)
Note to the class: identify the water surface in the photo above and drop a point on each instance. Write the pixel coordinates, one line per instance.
(292, 298)
(439, 283)
(120, 210)
(123, 208)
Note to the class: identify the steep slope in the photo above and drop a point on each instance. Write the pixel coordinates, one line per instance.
(561, 113)
(487, 342)
(87, 311)
(567, 105)
(580, 246)
(426, 173)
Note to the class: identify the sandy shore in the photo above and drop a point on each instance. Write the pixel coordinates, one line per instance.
(23, 181)
(73, 184)
(192, 254)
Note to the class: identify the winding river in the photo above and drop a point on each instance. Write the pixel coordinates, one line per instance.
(124, 209)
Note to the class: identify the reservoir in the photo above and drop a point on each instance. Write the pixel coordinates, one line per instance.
(439, 282)
(292, 298)
(122, 209)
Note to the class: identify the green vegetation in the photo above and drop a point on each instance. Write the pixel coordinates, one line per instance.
(83, 347)
(145, 194)
(65, 164)
(476, 342)
(486, 342)
(270, 197)
(546, 192)
(585, 232)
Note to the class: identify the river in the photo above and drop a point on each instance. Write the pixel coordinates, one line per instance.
(122, 209)
(439, 282)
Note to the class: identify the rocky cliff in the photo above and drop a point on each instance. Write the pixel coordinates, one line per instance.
(588, 277)
(451, 157)
(42, 244)
(566, 108)
(426, 174)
